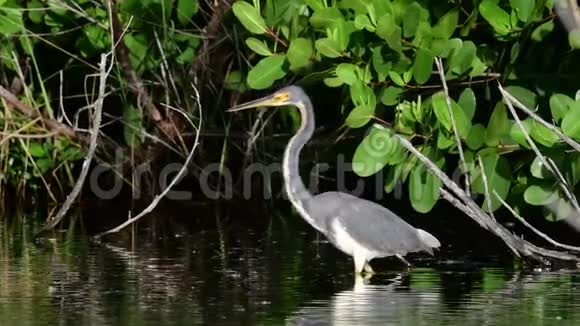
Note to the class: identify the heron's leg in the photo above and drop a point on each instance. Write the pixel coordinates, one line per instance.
(403, 259)
(368, 268)
(359, 262)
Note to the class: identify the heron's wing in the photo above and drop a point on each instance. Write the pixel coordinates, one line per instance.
(370, 224)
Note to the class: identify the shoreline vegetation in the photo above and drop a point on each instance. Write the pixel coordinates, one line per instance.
(476, 104)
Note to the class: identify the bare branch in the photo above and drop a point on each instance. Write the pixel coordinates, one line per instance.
(439, 64)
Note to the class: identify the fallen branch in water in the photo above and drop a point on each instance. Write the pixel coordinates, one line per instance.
(463, 202)
(96, 126)
(179, 175)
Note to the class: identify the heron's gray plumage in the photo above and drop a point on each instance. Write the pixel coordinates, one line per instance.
(358, 227)
(372, 225)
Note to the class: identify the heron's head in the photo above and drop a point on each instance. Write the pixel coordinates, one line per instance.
(285, 96)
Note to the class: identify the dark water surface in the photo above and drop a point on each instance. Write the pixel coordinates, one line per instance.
(281, 275)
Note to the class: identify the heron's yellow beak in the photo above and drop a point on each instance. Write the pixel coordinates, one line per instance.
(277, 99)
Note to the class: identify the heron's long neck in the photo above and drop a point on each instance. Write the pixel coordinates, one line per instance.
(297, 192)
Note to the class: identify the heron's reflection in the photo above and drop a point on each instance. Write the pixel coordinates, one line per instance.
(369, 304)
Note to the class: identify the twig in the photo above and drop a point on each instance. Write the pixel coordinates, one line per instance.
(181, 172)
(103, 74)
(455, 131)
(562, 183)
(53, 125)
(546, 124)
(531, 227)
(122, 53)
(485, 186)
(468, 206)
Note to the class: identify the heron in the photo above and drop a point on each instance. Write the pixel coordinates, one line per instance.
(360, 228)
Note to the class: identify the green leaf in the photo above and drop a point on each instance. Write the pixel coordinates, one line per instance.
(498, 174)
(185, 10)
(393, 177)
(360, 94)
(326, 17)
(391, 95)
(446, 24)
(476, 136)
(258, 46)
(439, 103)
(462, 60)
(328, 47)
(396, 78)
(266, 72)
(360, 116)
(524, 8)
(498, 125)
(444, 139)
(389, 31)
(542, 134)
(250, 17)
(381, 66)
(332, 82)
(559, 106)
(234, 81)
(10, 21)
(495, 16)
(299, 53)
(316, 4)
(467, 102)
(411, 19)
(517, 134)
(542, 31)
(347, 73)
(363, 22)
(526, 97)
(374, 152)
(540, 194)
(35, 13)
(423, 66)
(424, 186)
(571, 122)
(36, 149)
(539, 170)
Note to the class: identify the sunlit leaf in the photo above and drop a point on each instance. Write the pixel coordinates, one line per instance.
(423, 66)
(326, 17)
(266, 72)
(299, 53)
(571, 122)
(328, 47)
(495, 16)
(185, 10)
(498, 125)
(391, 95)
(526, 97)
(258, 46)
(559, 106)
(467, 102)
(360, 116)
(540, 194)
(446, 24)
(373, 153)
(250, 17)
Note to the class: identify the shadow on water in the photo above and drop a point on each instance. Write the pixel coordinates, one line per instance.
(236, 273)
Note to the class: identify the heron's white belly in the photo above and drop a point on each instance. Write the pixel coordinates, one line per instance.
(348, 245)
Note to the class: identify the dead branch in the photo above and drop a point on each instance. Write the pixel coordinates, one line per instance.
(179, 175)
(52, 125)
(122, 54)
(439, 64)
(96, 121)
(463, 202)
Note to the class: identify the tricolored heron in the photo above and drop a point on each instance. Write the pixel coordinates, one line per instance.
(358, 227)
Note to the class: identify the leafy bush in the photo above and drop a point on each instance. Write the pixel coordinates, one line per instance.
(384, 52)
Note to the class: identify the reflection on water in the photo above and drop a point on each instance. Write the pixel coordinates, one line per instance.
(231, 276)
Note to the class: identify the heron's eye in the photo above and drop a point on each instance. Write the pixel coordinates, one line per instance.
(282, 97)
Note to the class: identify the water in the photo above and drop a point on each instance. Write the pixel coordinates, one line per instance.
(275, 275)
